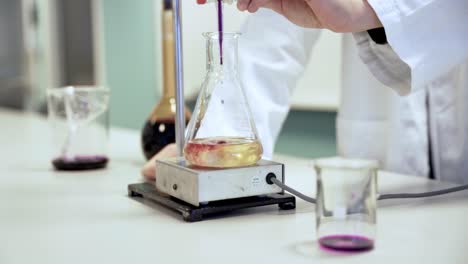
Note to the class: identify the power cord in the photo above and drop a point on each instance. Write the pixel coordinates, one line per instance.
(271, 179)
(423, 194)
(291, 190)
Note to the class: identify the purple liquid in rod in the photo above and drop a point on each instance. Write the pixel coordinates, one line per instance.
(220, 29)
(346, 242)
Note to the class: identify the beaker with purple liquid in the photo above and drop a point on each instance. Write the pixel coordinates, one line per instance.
(346, 203)
(80, 123)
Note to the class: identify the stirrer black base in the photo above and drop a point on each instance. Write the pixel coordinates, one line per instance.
(192, 213)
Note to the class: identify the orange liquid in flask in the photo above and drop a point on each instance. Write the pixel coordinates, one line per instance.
(223, 152)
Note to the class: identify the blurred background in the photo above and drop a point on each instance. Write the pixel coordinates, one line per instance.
(54, 43)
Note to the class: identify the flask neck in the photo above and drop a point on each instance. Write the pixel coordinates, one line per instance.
(222, 52)
(168, 51)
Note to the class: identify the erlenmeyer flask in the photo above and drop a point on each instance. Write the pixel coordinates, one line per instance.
(222, 133)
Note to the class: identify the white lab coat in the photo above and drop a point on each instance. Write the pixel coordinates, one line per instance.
(373, 121)
(427, 55)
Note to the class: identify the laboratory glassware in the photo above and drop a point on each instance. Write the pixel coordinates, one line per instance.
(159, 129)
(346, 203)
(80, 123)
(221, 132)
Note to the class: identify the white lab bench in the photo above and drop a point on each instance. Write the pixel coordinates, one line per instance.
(87, 217)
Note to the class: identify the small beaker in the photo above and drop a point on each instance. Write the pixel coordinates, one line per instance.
(80, 124)
(346, 203)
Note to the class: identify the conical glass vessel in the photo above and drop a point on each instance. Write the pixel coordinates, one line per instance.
(222, 133)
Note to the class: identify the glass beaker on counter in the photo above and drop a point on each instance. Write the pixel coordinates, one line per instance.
(222, 133)
(346, 203)
(80, 124)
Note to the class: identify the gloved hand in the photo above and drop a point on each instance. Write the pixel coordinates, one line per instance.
(336, 15)
(148, 170)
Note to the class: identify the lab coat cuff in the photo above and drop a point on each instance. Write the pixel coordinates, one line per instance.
(384, 63)
(392, 18)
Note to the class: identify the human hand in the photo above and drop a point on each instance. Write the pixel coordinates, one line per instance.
(148, 170)
(336, 15)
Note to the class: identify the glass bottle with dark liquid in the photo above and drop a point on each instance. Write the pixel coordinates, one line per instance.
(159, 129)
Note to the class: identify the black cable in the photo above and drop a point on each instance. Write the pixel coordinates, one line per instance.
(291, 190)
(424, 194)
(381, 197)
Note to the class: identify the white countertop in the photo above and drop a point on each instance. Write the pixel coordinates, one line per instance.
(87, 217)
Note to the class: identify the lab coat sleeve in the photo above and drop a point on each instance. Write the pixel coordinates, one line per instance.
(272, 55)
(427, 38)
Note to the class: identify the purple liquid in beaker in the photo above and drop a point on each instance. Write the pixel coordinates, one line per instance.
(80, 163)
(347, 242)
